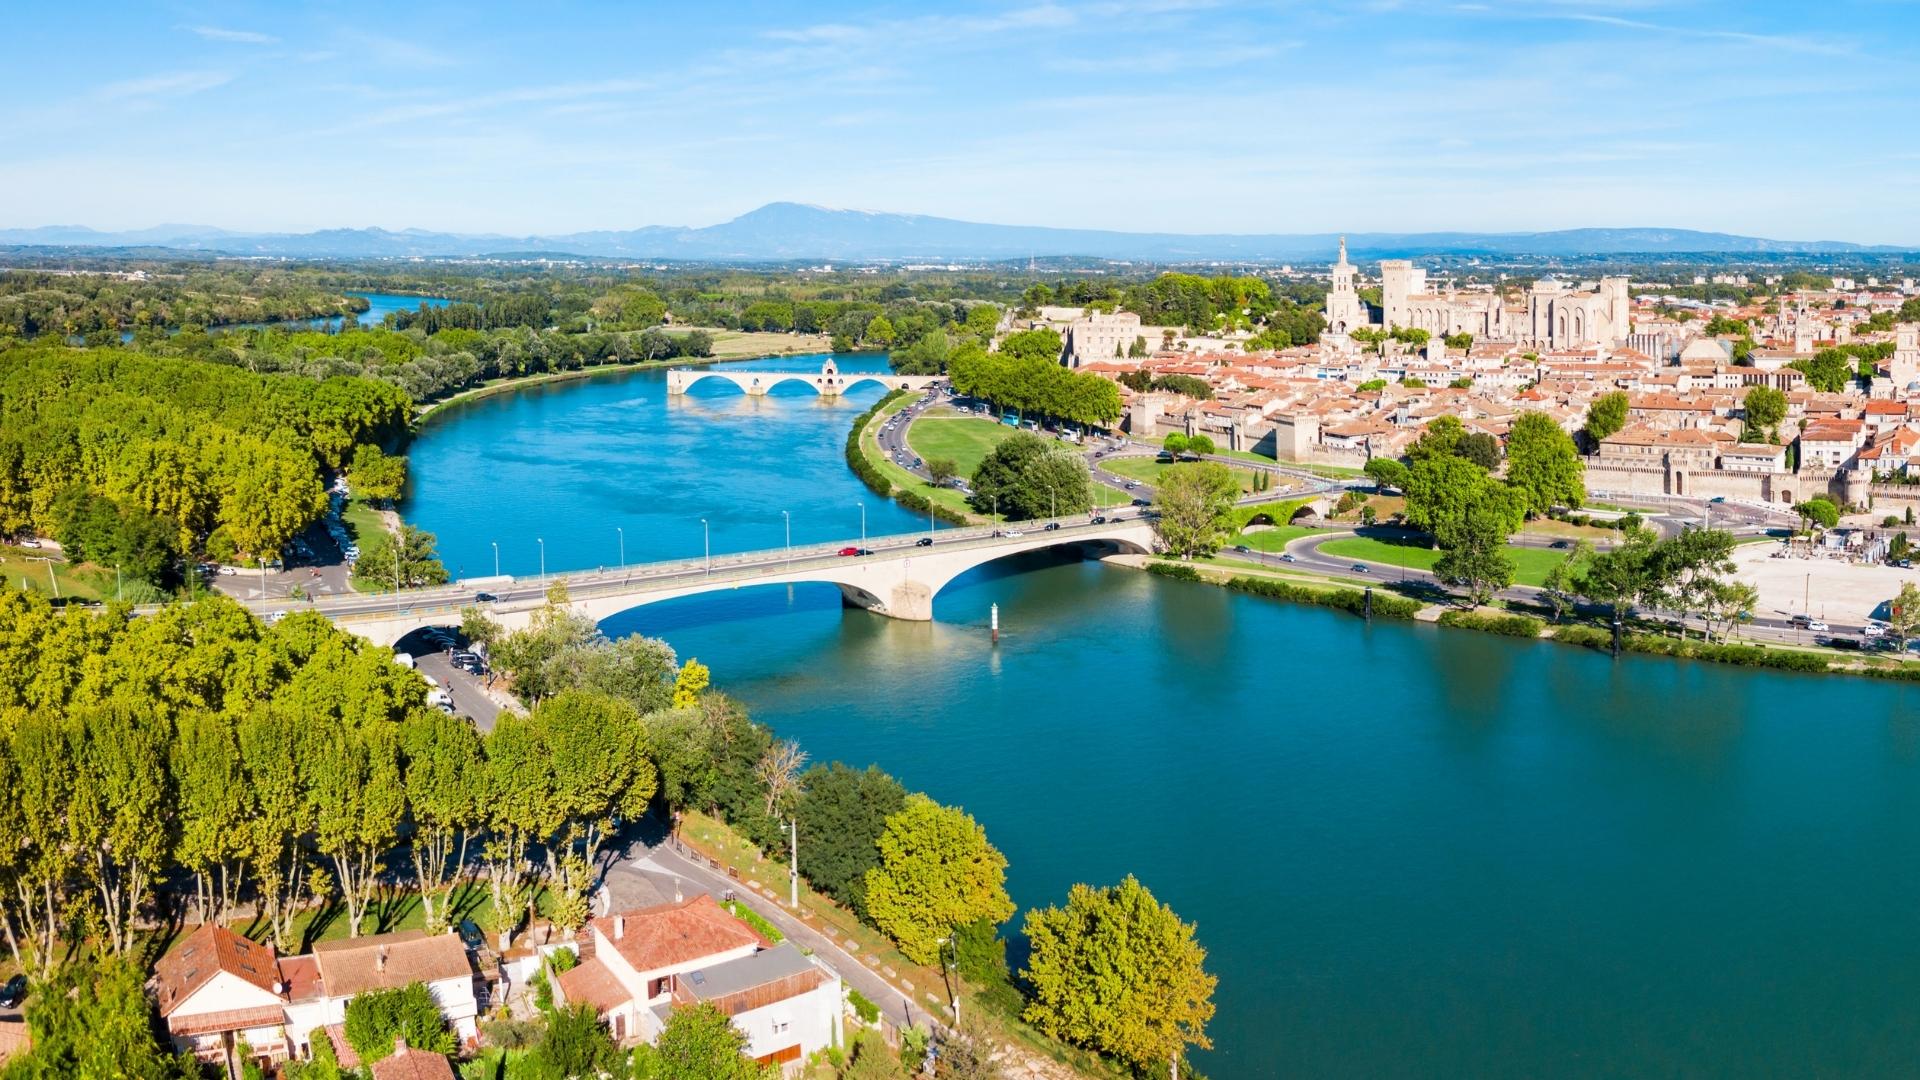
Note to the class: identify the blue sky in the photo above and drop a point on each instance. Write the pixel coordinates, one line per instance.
(1798, 121)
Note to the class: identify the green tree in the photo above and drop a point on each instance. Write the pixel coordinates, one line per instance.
(1820, 511)
(1903, 613)
(376, 1017)
(93, 1021)
(1117, 971)
(841, 813)
(1442, 491)
(1765, 409)
(445, 780)
(413, 549)
(1195, 500)
(942, 469)
(354, 780)
(376, 477)
(1026, 476)
(1175, 444)
(937, 872)
(879, 331)
(215, 808)
(1607, 414)
(1387, 473)
(1559, 588)
(574, 1044)
(121, 813)
(699, 1043)
(1032, 345)
(1543, 465)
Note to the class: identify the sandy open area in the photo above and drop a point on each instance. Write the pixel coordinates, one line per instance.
(1841, 592)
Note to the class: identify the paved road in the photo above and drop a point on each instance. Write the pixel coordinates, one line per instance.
(899, 1009)
(1306, 555)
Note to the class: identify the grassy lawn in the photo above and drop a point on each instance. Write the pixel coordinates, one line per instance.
(21, 566)
(1275, 539)
(902, 478)
(1530, 565)
(744, 344)
(966, 441)
(1147, 470)
(365, 528)
(1338, 472)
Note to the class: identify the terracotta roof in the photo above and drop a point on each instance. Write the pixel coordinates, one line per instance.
(593, 983)
(385, 961)
(411, 1064)
(675, 934)
(205, 953)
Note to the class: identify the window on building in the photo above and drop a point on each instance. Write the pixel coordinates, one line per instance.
(780, 1026)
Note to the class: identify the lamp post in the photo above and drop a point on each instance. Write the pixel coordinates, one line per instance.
(793, 868)
(543, 556)
(863, 524)
(706, 541)
(788, 518)
(116, 582)
(496, 557)
(623, 546)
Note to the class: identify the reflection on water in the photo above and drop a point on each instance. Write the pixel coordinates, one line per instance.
(1410, 851)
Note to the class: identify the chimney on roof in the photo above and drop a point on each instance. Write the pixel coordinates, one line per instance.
(380, 959)
(619, 927)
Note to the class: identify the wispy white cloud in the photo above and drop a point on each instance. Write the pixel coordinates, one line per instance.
(238, 37)
(172, 84)
(1783, 42)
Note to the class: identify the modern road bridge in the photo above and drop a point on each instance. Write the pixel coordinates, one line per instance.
(829, 381)
(899, 579)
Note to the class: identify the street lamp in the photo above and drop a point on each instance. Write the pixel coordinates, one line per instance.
(788, 518)
(706, 541)
(623, 546)
(543, 556)
(863, 524)
(496, 557)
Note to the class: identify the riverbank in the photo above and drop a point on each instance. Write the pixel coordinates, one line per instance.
(728, 346)
(1642, 636)
(869, 461)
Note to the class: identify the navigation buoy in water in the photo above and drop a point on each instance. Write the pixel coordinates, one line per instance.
(994, 617)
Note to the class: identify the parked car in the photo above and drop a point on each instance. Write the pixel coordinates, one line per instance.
(849, 551)
(15, 992)
(471, 935)
(925, 541)
(1141, 502)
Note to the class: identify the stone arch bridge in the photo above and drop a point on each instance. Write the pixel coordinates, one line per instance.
(899, 579)
(829, 381)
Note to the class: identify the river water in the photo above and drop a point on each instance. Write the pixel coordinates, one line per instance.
(1410, 851)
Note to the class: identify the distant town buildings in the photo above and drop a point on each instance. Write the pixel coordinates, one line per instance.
(1555, 347)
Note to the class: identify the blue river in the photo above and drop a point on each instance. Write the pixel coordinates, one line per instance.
(1409, 851)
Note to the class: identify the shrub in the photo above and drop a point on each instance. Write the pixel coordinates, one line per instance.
(753, 918)
(1176, 571)
(375, 1017)
(863, 1007)
(1385, 605)
(857, 461)
(1520, 626)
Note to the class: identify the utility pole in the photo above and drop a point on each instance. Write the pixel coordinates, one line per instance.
(543, 556)
(706, 539)
(623, 546)
(793, 869)
(788, 518)
(496, 557)
(51, 580)
(863, 524)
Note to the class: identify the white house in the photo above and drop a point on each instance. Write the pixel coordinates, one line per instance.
(320, 984)
(217, 990)
(640, 965)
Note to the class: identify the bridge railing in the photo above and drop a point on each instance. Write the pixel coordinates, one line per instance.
(723, 569)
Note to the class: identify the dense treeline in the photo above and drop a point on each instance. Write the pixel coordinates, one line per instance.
(210, 450)
(43, 302)
(1279, 315)
(1025, 374)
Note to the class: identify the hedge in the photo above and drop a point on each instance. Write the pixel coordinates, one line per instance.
(1594, 637)
(857, 461)
(1385, 605)
(1176, 571)
(1520, 626)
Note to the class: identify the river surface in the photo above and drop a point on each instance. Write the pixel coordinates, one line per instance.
(1410, 851)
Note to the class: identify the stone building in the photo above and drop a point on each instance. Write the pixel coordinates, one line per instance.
(1099, 335)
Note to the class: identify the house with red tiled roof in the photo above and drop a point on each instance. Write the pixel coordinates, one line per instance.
(638, 966)
(406, 1063)
(217, 990)
(1831, 443)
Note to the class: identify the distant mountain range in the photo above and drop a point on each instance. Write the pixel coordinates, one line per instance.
(787, 232)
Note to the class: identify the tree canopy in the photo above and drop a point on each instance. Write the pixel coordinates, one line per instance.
(1026, 476)
(937, 873)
